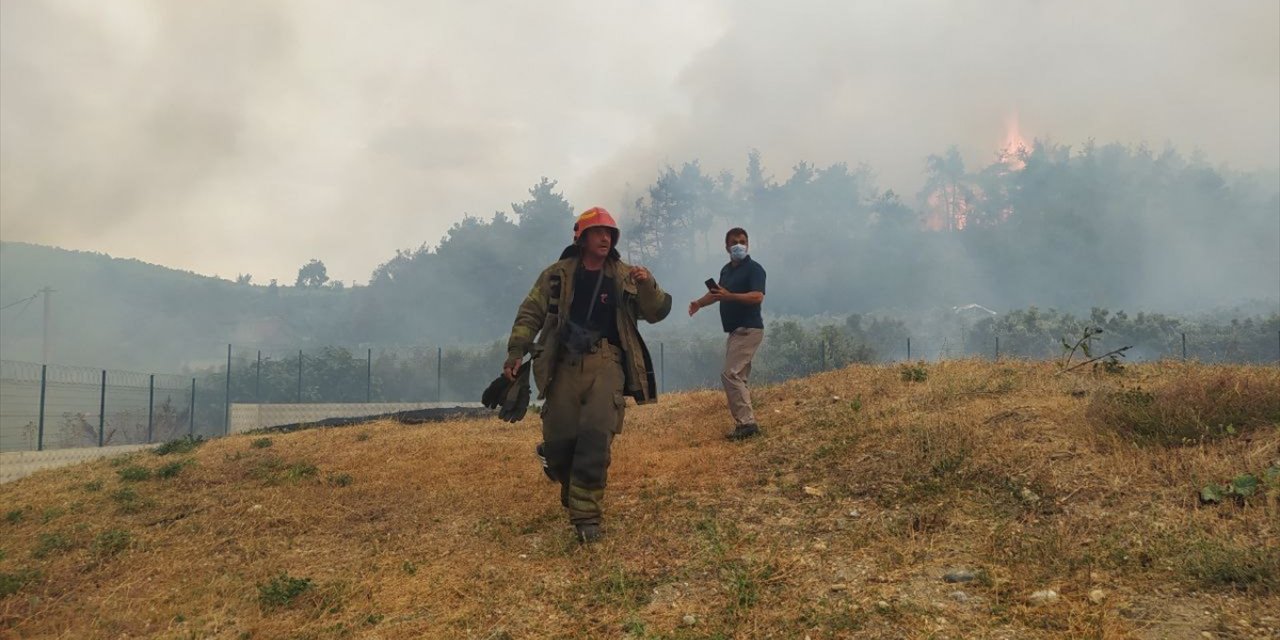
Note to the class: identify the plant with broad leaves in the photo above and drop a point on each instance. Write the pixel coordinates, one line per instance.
(1242, 486)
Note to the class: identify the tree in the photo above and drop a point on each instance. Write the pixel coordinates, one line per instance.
(244, 278)
(947, 195)
(312, 274)
(676, 206)
(545, 219)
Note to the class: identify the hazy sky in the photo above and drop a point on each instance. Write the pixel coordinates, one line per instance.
(229, 137)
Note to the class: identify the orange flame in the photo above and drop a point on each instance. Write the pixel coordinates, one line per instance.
(1015, 146)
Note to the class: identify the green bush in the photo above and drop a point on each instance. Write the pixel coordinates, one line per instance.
(300, 470)
(185, 444)
(281, 590)
(134, 473)
(109, 543)
(172, 469)
(1217, 564)
(1194, 408)
(10, 583)
(50, 543)
(914, 372)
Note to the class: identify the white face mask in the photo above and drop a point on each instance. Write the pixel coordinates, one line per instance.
(738, 252)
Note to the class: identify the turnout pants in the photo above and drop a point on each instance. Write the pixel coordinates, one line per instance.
(582, 413)
(740, 348)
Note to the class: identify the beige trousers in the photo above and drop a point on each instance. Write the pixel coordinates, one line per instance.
(740, 348)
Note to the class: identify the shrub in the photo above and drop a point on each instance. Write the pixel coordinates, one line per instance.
(914, 373)
(172, 469)
(10, 583)
(1217, 564)
(109, 543)
(281, 590)
(1191, 409)
(49, 543)
(185, 444)
(134, 473)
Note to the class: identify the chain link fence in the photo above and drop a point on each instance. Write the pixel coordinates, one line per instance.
(55, 406)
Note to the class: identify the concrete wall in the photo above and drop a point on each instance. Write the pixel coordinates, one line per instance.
(245, 417)
(20, 464)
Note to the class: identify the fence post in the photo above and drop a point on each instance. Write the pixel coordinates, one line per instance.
(151, 405)
(368, 376)
(44, 371)
(226, 414)
(822, 354)
(257, 385)
(299, 400)
(191, 414)
(439, 355)
(908, 349)
(662, 367)
(102, 411)
(1184, 346)
(997, 348)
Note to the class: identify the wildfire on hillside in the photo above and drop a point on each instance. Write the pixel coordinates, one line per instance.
(950, 199)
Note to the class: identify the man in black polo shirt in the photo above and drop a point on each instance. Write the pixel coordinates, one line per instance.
(740, 294)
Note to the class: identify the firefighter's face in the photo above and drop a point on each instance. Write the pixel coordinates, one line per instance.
(597, 241)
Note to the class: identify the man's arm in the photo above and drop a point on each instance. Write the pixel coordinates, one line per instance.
(529, 319)
(704, 301)
(652, 303)
(753, 297)
(750, 297)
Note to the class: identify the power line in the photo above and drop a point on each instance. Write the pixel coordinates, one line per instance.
(17, 302)
(24, 307)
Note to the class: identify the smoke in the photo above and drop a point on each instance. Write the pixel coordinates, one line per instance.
(251, 137)
(888, 83)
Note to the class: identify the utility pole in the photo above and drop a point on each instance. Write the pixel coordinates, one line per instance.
(44, 345)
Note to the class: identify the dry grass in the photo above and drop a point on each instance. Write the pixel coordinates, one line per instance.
(839, 522)
(1202, 404)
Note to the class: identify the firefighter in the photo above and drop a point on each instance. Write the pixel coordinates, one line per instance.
(579, 322)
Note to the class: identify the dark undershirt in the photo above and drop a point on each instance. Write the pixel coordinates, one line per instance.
(604, 317)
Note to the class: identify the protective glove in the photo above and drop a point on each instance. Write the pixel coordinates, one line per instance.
(496, 393)
(516, 400)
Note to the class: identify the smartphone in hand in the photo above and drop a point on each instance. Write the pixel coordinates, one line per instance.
(711, 284)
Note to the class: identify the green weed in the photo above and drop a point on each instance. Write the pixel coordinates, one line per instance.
(134, 473)
(185, 444)
(50, 543)
(281, 590)
(111, 542)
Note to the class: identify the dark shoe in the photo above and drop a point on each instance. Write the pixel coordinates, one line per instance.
(744, 431)
(542, 457)
(588, 533)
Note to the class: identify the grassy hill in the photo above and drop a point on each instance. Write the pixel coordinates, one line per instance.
(128, 314)
(870, 485)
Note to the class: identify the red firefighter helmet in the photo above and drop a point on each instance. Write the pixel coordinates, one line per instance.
(595, 217)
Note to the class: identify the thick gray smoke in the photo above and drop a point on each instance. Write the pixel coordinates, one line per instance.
(887, 84)
(250, 137)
